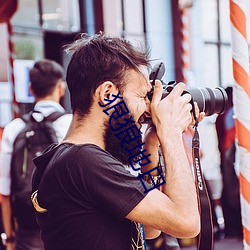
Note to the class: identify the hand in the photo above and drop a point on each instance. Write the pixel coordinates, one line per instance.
(171, 115)
(199, 115)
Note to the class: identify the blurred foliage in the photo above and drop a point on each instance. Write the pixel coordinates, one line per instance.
(27, 48)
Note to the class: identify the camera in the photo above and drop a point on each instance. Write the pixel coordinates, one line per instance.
(210, 101)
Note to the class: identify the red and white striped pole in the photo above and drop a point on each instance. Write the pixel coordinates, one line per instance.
(185, 55)
(241, 95)
(15, 106)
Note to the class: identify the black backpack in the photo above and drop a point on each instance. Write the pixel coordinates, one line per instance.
(37, 135)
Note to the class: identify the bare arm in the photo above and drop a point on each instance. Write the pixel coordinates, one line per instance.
(152, 146)
(7, 220)
(175, 211)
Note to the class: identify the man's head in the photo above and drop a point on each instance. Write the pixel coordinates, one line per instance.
(46, 79)
(97, 59)
(100, 67)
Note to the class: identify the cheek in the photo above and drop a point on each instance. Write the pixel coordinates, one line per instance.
(140, 109)
(136, 108)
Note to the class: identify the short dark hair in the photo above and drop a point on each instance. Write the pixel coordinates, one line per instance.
(44, 76)
(96, 59)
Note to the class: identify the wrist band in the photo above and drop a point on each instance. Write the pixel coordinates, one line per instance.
(6, 239)
(152, 180)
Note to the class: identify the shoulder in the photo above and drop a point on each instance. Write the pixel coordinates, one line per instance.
(18, 122)
(63, 120)
(65, 117)
(61, 125)
(12, 129)
(92, 152)
(96, 161)
(10, 133)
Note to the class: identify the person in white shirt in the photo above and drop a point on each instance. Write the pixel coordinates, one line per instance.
(47, 86)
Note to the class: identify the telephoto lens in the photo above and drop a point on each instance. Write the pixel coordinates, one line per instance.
(210, 101)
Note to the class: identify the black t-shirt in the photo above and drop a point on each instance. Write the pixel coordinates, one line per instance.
(88, 194)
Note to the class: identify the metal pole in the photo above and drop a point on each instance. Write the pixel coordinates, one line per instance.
(40, 13)
(87, 16)
(219, 42)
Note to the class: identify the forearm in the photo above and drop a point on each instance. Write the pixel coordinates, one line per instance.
(154, 158)
(152, 146)
(7, 216)
(176, 211)
(180, 185)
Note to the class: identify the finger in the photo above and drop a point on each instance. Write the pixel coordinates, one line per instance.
(188, 107)
(196, 109)
(199, 115)
(186, 97)
(178, 90)
(157, 93)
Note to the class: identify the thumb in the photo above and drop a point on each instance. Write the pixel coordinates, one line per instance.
(157, 93)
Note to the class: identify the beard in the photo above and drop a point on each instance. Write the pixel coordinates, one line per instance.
(114, 144)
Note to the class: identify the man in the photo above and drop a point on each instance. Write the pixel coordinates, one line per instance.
(225, 125)
(85, 198)
(47, 86)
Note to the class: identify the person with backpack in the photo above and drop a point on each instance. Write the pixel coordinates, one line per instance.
(23, 139)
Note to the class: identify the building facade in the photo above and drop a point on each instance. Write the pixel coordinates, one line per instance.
(191, 37)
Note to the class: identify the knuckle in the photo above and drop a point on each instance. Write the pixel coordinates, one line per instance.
(188, 97)
(188, 107)
(185, 98)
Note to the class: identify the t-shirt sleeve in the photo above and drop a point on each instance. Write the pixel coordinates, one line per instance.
(10, 133)
(107, 183)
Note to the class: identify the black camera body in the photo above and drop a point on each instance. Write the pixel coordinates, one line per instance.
(210, 101)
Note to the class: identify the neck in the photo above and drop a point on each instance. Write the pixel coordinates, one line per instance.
(48, 98)
(87, 130)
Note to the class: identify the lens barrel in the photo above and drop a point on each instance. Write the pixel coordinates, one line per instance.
(210, 101)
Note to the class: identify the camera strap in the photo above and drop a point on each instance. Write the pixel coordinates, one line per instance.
(205, 238)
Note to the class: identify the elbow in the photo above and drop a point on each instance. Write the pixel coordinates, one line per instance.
(184, 227)
(190, 227)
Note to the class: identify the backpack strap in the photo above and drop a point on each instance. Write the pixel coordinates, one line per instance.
(51, 118)
(46, 125)
(43, 123)
(54, 116)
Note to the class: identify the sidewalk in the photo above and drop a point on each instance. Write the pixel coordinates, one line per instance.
(223, 244)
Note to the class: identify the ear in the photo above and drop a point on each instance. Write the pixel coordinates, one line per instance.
(31, 90)
(105, 91)
(62, 87)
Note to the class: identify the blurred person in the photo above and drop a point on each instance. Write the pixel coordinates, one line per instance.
(210, 162)
(83, 195)
(47, 86)
(225, 126)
